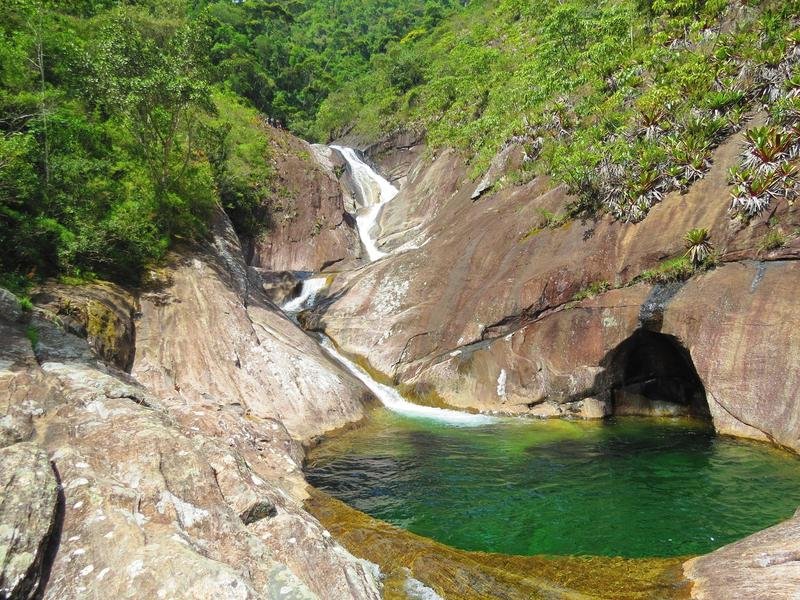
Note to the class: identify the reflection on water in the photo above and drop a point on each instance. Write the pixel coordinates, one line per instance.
(628, 487)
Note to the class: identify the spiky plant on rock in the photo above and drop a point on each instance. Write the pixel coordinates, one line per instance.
(698, 245)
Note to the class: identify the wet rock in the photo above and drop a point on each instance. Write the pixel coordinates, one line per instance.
(592, 408)
(280, 286)
(28, 508)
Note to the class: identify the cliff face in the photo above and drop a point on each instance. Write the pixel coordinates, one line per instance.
(483, 311)
(182, 479)
(310, 228)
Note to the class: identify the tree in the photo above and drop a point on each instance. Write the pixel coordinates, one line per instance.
(151, 75)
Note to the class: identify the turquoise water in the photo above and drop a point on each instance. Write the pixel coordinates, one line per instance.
(626, 487)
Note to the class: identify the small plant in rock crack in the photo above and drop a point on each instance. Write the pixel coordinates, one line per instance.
(772, 241)
(698, 245)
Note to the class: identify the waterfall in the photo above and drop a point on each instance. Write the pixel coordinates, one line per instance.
(374, 192)
(311, 287)
(392, 399)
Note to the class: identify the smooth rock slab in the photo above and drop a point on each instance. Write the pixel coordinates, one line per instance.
(763, 566)
(28, 502)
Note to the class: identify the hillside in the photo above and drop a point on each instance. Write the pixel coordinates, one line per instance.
(125, 123)
(622, 101)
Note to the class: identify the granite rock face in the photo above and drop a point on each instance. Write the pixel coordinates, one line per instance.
(209, 336)
(28, 507)
(310, 228)
(482, 312)
(180, 480)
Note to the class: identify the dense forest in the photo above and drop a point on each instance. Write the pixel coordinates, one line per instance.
(622, 100)
(123, 123)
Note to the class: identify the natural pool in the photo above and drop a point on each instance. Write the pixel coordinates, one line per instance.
(624, 487)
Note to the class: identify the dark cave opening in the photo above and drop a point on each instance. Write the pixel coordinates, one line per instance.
(652, 373)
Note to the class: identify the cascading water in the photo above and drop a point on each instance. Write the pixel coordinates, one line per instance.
(311, 287)
(392, 399)
(374, 192)
(388, 396)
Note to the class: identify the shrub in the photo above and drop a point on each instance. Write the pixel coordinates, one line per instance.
(25, 304)
(33, 336)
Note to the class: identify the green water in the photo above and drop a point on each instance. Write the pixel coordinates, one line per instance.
(626, 487)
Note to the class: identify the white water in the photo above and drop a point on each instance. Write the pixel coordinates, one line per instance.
(308, 294)
(375, 191)
(392, 399)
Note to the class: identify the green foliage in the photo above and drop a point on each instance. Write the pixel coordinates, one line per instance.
(698, 246)
(627, 99)
(114, 148)
(674, 269)
(287, 57)
(238, 151)
(25, 303)
(593, 289)
(33, 336)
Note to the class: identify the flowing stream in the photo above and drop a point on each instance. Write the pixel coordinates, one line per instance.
(392, 399)
(374, 192)
(307, 297)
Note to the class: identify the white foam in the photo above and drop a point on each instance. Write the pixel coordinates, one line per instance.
(392, 399)
(308, 294)
(374, 192)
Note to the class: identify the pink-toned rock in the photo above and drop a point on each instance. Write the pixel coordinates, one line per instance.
(208, 336)
(763, 566)
(310, 227)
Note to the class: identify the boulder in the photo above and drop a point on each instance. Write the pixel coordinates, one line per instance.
(102, 312)
(28, 519)
(208, 337)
